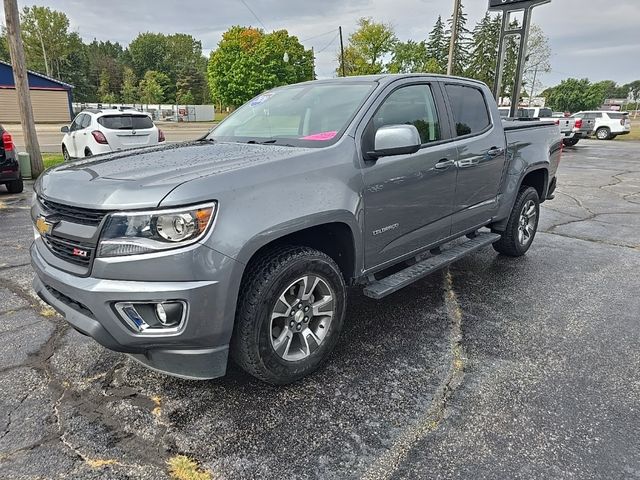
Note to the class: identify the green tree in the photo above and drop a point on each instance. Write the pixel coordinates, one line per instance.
(633, 90)
(46, 37)
(4, 47)
(463, 42)
(409, 57)
(368, 46)
(148, 52)
(437, 48)
(573, 95)
(129, 91)
(105, 64)
(248, 62)
(151, 90)
(104, 90)
(484, 52)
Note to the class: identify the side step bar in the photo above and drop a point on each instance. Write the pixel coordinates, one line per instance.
(391, 284)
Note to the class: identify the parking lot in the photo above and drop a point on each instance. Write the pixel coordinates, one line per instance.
(496, 368)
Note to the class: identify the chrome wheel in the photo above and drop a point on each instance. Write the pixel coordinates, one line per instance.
(603, 134)
(301, 318)
(527, 223)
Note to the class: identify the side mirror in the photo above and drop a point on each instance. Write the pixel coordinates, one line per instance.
(65, 129)
(396, 140)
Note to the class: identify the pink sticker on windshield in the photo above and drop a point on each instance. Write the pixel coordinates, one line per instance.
(321, 137)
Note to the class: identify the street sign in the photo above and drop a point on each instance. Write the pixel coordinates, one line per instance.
(515, 3)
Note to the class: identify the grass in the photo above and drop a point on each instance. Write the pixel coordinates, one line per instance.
(220, 116)
(183, 468)
(635, 131)
(52, 159)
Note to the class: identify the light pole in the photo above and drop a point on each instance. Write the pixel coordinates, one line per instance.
(454, 36)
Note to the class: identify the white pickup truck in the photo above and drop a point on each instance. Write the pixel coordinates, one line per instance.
(573, 129)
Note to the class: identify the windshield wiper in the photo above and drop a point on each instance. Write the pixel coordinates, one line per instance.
(262, 142)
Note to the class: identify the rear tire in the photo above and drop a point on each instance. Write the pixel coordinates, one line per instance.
(603, 133)
(15, 186)
(87, 152)
(522, 226)
(570, 142)
(287, 326)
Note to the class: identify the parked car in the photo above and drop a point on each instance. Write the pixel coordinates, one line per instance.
(10, 174)
(93, 132)
(608, 125)
(571, 129)
(245, 240)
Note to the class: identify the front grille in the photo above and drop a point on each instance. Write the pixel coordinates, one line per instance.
(85, 216)
(72, 252)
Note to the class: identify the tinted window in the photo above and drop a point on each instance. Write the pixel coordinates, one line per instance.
(412, 105)
(546, 113)
(86, 121)
(469, 109)
(615, 116)
(77, 122)
(126, 122)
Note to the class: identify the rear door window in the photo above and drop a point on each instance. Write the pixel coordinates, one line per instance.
(470, 112)
(616, 116)
(126, 122)
(86, 121)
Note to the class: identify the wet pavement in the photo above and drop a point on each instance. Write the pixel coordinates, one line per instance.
(495, 368)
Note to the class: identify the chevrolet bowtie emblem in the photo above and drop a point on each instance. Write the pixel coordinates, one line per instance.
(43, 226)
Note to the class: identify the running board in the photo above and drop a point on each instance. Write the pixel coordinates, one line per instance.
(391, 284)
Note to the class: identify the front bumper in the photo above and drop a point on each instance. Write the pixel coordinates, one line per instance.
(198, 351)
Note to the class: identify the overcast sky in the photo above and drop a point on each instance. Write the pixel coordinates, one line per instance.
(598, 39)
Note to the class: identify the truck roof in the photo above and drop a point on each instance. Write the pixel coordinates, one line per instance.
(390, 77)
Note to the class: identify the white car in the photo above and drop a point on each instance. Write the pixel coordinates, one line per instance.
(608, 125)
(102, 131)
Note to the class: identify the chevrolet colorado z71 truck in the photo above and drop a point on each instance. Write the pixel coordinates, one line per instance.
(244, 242)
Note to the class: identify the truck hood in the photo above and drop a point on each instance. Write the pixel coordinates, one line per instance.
(142, 178)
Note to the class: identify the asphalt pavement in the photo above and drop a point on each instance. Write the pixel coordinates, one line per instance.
(496, 368)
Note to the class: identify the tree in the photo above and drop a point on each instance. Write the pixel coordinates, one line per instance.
(484, 53)
(248, 62)
(148, 52)
(105, 64)
(151, 90)
(573, 95)
(633, 90)
(538, 60)
(129, 91)
(4, 48)
(437, 48)
(463, 42)
(409, 57)
(104, 90)
(368, 46)
(46, 38)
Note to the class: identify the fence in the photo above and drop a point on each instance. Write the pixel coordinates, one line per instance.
(168, 113)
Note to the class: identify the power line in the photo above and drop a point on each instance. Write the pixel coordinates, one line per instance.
(317, 36)
(328, 45)
(253, 13)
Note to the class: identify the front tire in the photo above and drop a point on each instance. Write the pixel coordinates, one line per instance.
(65, 154)
(290, 313)
(15, 186)
(603, 133)
(522, 226)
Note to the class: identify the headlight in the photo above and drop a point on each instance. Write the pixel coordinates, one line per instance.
(135, 233)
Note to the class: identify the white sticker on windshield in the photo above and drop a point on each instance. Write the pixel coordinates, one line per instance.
(261, 99)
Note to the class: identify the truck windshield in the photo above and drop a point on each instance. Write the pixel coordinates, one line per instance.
(306, 115)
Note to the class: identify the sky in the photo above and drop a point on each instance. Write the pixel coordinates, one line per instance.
(597, 39)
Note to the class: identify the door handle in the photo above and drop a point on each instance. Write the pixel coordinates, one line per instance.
(444, 164)
(495, 152)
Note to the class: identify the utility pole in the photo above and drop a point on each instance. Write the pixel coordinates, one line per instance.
(454, 36)
(22, 86)
(344, 68)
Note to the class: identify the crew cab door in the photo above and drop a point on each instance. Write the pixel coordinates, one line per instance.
(481, 148)
(408, 199)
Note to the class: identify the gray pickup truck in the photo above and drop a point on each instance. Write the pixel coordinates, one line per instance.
(245, 241)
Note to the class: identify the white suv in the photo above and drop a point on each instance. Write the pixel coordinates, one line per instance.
(608, 125)
(102, 131)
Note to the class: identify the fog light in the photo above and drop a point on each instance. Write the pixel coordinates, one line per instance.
(153, 318)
